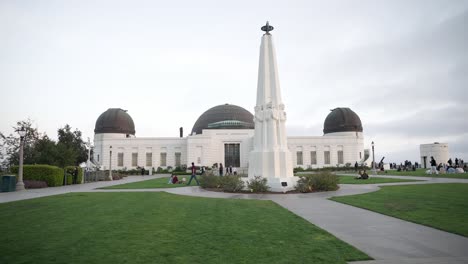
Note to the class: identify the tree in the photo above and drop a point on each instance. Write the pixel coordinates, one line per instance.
(10, 144)
(45, 151)
(69, 150)
(71, 147)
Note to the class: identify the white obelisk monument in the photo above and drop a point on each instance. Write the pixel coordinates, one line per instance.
(270, 157)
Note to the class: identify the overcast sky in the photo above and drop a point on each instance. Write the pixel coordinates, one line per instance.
(402, 66)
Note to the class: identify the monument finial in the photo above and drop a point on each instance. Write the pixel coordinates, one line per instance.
(267, 28)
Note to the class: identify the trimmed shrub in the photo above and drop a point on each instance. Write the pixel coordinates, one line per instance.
(116, 177)
(232, 183)
(70, 170)
(258, 184)
(324, 181)
(31, 184)
(331, 168)
(52, 175)
(209, 181)
(181, 173)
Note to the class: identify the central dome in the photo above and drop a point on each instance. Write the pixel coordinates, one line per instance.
(224, 117)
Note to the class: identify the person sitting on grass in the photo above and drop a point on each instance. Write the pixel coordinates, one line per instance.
(363, 176)
(175, 180)
(170, 179)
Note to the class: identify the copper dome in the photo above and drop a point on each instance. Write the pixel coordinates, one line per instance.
(342, 119)
(225, 116)
(115, 120)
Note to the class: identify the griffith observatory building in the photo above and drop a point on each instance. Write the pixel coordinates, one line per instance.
(250, 142)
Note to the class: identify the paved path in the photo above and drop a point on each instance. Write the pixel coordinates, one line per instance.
(35, 193)
(388, 240)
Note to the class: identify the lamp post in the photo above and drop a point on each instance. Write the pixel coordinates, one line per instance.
(88, 145)
(373, 158)
(20, 183)
(110, 163)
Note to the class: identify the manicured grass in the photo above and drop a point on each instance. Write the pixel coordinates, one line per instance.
(154, 183)
(148, 227)
(442, 206)
(422, 173)
(344, 179)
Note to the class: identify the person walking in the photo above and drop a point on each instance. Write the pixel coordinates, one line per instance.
(75, 176)
(221, 169)
(433, 166)
(194, 174)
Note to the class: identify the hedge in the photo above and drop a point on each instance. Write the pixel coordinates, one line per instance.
(324, 181)
(70, 170)
(52, 175)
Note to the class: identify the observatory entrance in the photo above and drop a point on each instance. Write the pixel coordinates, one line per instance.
(232, 155)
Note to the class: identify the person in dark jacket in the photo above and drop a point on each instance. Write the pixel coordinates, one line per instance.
(433, 166)
(75, 175)
(221, 169)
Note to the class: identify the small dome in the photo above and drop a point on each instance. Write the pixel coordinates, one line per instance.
(342, 119)
(224, 117)
(115, 120)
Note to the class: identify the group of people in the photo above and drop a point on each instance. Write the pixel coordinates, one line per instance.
(175, 180)
(363, 175)
(458, 166)
(229, 170)
(406, 166)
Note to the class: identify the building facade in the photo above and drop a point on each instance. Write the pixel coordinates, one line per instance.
(226, 137)
(440, 152)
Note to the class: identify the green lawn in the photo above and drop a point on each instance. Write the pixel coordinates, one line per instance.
(442, 206)
(344, 179)
(154, 183)
(148, 227)
(422, 173)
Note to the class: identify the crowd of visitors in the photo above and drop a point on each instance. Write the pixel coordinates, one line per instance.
(458, 166)
(451, 166)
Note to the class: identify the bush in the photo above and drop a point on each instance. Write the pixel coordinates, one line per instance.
(258, 184)
(181, 173)
(69, 179)
(232, 183)
(324, 169)
(161, 170)
(31, 184)
(298, 169)
(209, 181)
(70, 170)
(52, 175)
(116, 177)
(324, 181)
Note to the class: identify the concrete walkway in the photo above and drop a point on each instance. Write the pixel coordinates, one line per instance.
(35, 193)
(386, 239)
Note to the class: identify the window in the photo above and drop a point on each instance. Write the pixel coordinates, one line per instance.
(326, 156)
(340, 157)
(149, 159)
(134, 159)
(163, 158)
(360, 155)
(120, 157)
(98, 157)
(177, 159)
(232, 155)
(299, 158)
(313, 157)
